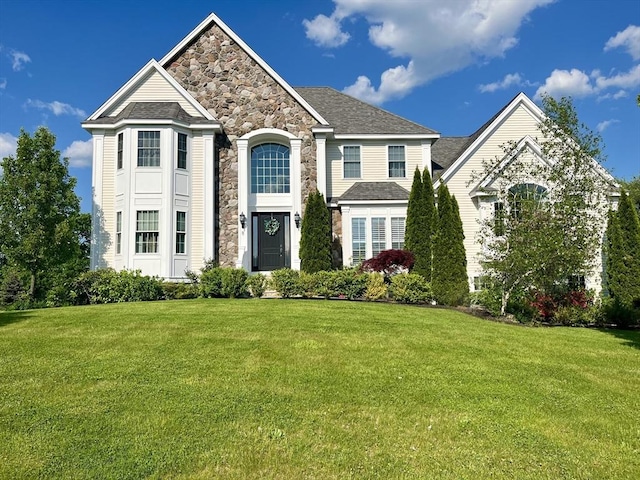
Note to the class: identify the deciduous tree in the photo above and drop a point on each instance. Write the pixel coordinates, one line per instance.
(38, 207)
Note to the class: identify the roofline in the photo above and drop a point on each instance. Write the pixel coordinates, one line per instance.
(137, 78)
(213, 18)
(508, 110)
(150, 121)
(386, 136)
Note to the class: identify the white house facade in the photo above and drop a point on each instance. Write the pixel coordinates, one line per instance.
(210, 154)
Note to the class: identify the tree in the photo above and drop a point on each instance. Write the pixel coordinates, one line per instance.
(38, 207)
(633, 188)
(419, 227)
(449, 275)
(552, 210)
(623, 252)
(315, 241)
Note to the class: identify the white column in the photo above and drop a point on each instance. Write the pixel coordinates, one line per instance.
(96, 207)
(426, 156)
(296, 194)
(243, 260)
(208, 140)
(321, 163)
(167, 159)
(347, 244)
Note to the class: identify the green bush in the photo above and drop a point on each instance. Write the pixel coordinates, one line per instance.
(108, 286)
(410, 288)
(179, 290)
(211, 282)
(234, 282)
(286, 282)
(489, 298)
(257, 284)
(376, 288)
(349, 283)
(616, 312)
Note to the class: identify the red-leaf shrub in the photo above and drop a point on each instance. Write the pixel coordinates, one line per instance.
(389, 262)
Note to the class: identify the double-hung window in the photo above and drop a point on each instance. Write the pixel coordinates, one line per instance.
(148, 148)
(397, 233)
(181, 232)
(120, 150)
(498, 218)
(147, 231)
(397, 161)
(118, 233)
(182, 151)
(351, 166)
(358, 240)
(378, 235)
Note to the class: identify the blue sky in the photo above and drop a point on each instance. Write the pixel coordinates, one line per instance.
(447, 65)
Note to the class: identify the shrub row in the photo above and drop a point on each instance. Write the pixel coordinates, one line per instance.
(351, 284)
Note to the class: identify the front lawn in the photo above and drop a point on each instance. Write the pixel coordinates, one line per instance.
(265, 389)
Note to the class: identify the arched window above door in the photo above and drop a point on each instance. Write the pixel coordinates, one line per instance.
(270, 168)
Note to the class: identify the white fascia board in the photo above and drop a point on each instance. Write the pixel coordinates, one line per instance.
(175, 123)
(521, 98)
(135, 81)
(213, 18)
(372, 202)
(386, 136)
(322, 129)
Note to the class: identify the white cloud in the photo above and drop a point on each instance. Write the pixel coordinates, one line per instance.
(79, 153)
(8, 144)
(615, 96)
(57, 108)
(509, 80)
(576, 83)
(18, 60)
(436, 38)
(3, 83)
(629, 39)
(325, 31)
(602, 126)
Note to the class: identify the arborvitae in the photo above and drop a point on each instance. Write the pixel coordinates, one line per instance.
(418, 229)
(315, 240)
(630, 244)
(616, 271)
(430, 221)
(449, 275)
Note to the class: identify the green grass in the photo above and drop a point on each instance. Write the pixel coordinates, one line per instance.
(311, 389)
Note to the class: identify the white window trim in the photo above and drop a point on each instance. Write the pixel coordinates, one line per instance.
(343, 161)
(404, 145)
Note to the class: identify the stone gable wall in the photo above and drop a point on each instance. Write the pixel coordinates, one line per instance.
(243, 97)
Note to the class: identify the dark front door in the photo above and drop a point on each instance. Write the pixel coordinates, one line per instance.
(271, 241)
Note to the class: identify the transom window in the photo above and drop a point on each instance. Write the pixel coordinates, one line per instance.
(147, 231)
(149, 149)
(270, 169)
(397, 162)
(351, 156)
(182, 151)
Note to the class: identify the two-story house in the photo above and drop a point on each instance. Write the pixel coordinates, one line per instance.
(209, 153)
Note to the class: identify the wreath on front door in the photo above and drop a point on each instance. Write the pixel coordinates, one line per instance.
(271, 226)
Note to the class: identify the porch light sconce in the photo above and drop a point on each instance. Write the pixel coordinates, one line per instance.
(243, 220)
(296, 218)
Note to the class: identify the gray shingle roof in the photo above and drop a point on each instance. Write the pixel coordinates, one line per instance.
(152, 111)
(348, 115)
(375, 191)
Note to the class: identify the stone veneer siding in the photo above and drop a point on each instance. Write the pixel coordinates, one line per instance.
(243, 97)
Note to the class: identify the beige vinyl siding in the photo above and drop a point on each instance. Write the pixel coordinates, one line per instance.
(153, 88)
(374, 165)
(108, 198)
(519, 124)
(197, 201)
